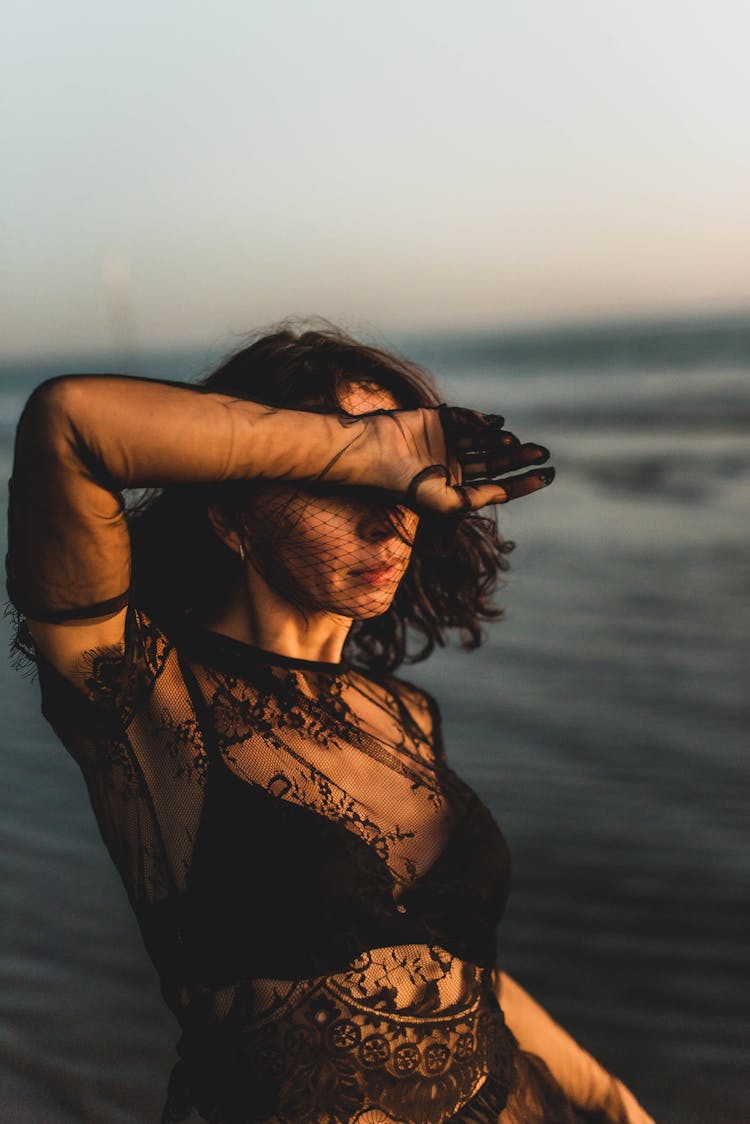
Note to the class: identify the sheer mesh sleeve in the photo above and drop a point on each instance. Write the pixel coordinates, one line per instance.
(81, 440)
(131, 727)
(68, 548)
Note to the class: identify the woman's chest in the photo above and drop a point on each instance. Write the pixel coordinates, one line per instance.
(277, 890)
(354, 758)
(327, 830)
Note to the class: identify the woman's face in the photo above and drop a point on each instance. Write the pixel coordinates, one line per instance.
(333, 551)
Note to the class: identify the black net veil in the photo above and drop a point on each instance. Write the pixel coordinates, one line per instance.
(317, 888)
(325, 548)
(293, 532)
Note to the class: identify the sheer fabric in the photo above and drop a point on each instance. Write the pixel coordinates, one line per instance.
(318, 890)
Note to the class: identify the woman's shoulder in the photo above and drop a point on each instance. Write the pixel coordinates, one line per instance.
(409, 689)
(421, 705)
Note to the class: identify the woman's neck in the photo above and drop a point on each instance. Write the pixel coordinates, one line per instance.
(256, 614)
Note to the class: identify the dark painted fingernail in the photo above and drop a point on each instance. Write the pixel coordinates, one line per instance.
(546, 475)
(495, 419)
(542, 454)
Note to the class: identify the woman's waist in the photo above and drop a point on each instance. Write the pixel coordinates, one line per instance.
(360, 1036)
(228, 937)
(412, 982)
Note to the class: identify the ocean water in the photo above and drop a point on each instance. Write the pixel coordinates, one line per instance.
(605, 721)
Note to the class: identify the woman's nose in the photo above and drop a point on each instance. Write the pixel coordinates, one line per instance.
(377, 525)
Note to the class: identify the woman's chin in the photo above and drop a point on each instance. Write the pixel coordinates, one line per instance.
(372, 604)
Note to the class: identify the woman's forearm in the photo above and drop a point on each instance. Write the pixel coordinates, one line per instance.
(586, 1083)
(142, 433)
(580, 1075)
(82, 439)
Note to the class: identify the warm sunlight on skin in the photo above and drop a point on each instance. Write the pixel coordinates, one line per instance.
(341, 558)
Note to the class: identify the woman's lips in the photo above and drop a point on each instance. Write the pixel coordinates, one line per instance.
(381, 575)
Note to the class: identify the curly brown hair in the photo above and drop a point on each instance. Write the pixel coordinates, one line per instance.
(181, 566)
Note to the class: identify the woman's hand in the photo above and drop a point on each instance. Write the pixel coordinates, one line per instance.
(449, 460)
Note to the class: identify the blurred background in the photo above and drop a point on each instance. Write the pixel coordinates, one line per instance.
(547, 205)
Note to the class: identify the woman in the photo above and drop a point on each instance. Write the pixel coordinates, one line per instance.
(318, 891)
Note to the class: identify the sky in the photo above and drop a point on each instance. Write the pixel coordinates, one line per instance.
(175, 172)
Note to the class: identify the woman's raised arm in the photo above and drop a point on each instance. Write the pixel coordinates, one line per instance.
(82, 439)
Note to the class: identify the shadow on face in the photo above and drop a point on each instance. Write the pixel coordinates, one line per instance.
(330, 548)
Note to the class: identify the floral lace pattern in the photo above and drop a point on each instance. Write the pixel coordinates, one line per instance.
(330, 1052)
(201, 750)
(269, 742)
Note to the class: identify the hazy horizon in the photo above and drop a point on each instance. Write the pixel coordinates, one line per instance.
(178, 176)
(721, 337)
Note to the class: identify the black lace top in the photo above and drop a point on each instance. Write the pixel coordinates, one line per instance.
(318, 890)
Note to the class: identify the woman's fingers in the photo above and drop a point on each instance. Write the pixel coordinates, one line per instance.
(429, 491)
(489, 439)
(494, 463)
(478, 452)
(482, 446)
(502, 491)
(463, 428)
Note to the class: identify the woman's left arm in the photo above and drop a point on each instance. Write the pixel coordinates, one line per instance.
(587, 1084)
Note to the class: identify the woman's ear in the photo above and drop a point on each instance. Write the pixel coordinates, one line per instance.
(229, 535)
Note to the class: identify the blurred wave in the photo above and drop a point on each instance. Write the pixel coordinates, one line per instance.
(622, 345)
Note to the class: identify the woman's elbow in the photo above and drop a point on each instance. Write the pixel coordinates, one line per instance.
(45, 424)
